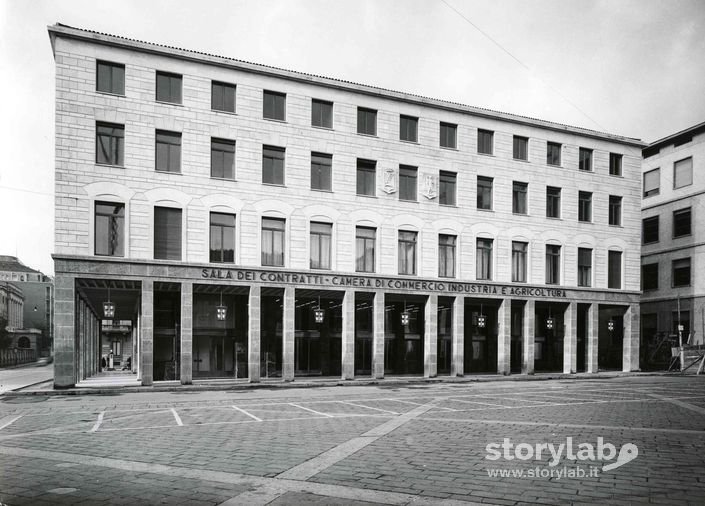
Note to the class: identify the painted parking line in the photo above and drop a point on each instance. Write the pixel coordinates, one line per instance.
(311, 410)
(349, 403)
(454, 399)
(686, 405)
(255, 418)
(98, 422)
(177, 417)
(7, 421)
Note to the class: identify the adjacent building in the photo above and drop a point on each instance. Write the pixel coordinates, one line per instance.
(231, 219)
(673, 237)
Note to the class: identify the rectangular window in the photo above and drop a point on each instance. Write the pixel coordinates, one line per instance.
(585, 206)
(519, 193)
(519, 250)
(407, 182)
(614, 269)
(553, 264)
(521, 148)
(681, 222)
(553, 153)
(585, 159)
(274, 105)
(615, 211)
(273, 242)
(273, 165)
(484, 142)
(110, 78)
(169, 87)
(615, 164)
(321, 113)
(407, 252)
(681, 272)
(109, 229)
(408, 128)
(683, 173)
(222, 246)
(652, 182)
(222, 96)
(584, 267)
(366, 121)
(365, 249)
(168, 151)
(649, 276)
(553, 202)
(320, 245)
(649, 229)
(483, 266)
(446, 188)
(446, 255)
(484, 192)
(222, 158)
(449, 135)
(109, 144)
(167, 233)
(321, 166)
(366, 175)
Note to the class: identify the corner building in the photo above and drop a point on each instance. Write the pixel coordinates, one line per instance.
(252, 222)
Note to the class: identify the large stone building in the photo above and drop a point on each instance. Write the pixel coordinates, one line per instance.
(673, 236)
(38, 300)
(253, 222)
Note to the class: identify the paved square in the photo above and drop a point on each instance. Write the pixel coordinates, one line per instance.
(420, 444)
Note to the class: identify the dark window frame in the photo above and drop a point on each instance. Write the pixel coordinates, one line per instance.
(484, 192)
(483, 258)
(683, 228)
(653, 191)
(407, 241)
(677, 185)
(447, 185)
(117, 87)
(616, 160)
(115, 245)
(447, 255)
(367, 121)
(614, 279)
(222, 254)
(448, 135)
(273, 105)
(585, 159)
(276, 227)
(164, 239)
(615, 211)
(368, 182)
(520, 251)
(553, 153)
(408, 183)
(678, 272)
(649, 276)
(114, 135)
(520, 198)
(585, 268)
(408, 128)
(321, 113)
(485, 141)
(363, 237)
(322, 230)
(584, 207)
(321, 171)
(220, 148)
(520, 148)
(553, 202)
(168, 138)
(174, 94)
(219, 99)
(647, 227)
(553, 264)
(273, 165)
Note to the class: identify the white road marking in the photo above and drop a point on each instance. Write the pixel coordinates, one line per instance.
(478, 402)
(177, 417)
(311, 410)
(10, 422)
(98, 422)
(368, 407)
(255, 418)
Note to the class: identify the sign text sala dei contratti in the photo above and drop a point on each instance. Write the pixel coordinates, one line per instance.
(374, 282)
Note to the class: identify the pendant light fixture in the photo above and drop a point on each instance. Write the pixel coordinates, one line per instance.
(221, 312)
(318, 313)
(108, 306)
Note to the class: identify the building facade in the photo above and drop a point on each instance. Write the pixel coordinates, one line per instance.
(673, 237)
(38, 295)
(253, 222)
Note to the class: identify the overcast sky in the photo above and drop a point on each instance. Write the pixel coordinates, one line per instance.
(629, 67)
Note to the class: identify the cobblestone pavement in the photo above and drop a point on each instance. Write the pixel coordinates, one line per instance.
(414, 444)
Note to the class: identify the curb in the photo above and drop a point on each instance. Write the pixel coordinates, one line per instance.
(20, 392)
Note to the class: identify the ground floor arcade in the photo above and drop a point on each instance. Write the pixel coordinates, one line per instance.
(185, 324)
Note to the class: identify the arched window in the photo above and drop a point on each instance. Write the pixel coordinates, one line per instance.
(23, 342)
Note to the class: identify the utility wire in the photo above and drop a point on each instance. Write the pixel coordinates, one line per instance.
(506, 51)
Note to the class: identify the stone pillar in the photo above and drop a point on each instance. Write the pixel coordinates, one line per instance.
(254, 314)
(147, 334)
(504, 337)
(348, 337)
(64, 331)
(570, 339)
(593, 325)
(430, 337)
(378, 336)
(527, 356)
(457, 345)
(187, 332)
(630, 342)
(137, 360)
(288, 334)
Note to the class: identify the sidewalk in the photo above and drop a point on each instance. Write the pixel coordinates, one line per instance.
(25, 376)
(111, 385)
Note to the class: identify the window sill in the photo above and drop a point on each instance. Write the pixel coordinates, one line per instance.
(485, 210)
(321, 127)
(109, 165)
(368, 135)
(409, 142)
(180, 104)
(168, 172)
(616, 175)
(321, 190)
(586, 222)
(558, 165)
(224, 179)
(449, 148)
(451, 206)
(519, 214)
(486, 154)
(558, 218)
(229, 113)
(615, 226)
(277, 120)
(110, 94)
(681, 236)
(108, 256)
(409, 201)
(367, 196)
(278, 185)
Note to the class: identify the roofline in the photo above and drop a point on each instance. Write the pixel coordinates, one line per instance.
(113, 40)
(695, 129)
